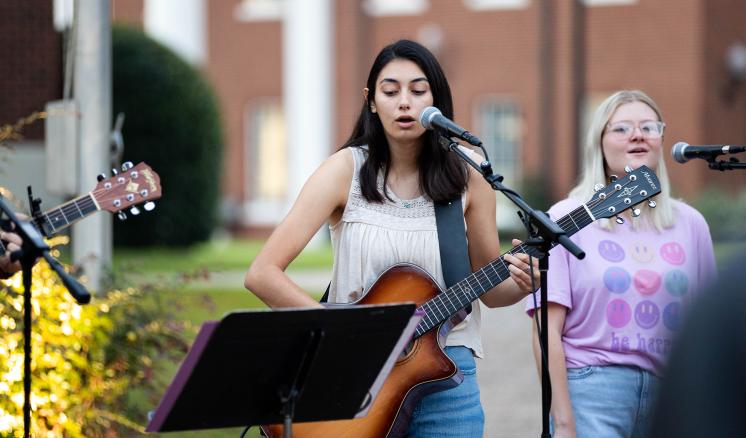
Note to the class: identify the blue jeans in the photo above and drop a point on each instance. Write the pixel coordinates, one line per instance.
(456, 412)
(612, 401)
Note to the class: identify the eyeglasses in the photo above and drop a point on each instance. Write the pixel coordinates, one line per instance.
(623, 130)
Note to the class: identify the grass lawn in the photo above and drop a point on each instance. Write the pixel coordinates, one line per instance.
(227, 255)
(200, 305)
(219, 255)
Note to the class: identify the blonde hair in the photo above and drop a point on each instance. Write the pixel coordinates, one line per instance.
(594, 164)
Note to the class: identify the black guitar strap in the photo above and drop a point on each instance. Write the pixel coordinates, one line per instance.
(454, 254)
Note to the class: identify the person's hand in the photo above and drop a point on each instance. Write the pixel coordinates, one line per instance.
(563, 433)
(520, 270)
(12, 242)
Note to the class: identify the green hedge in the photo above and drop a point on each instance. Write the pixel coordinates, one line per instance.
(173, 124)
(97, 370)
(725, 213)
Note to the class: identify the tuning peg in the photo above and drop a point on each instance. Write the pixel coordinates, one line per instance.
(134, 211)
(122, 215)
(598, 187)
(613, 178)
(114, 172)
(149, 206)
(619, 220)
(101, 177)
(636, 212)
(127, 165)
(652, 204)
(628, 169)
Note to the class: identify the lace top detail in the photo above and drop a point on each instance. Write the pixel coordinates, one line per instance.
(371, 237)
(394, 213)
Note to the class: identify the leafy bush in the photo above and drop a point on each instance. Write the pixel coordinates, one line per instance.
(724, 213)
(88, 362)
(173, 124)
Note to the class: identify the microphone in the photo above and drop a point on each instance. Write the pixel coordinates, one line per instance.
(432, 118)
(683, 152)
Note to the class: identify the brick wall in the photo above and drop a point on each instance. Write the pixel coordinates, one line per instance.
(244, 64)
(31, 62)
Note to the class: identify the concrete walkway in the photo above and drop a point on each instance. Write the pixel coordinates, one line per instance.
(511, 394)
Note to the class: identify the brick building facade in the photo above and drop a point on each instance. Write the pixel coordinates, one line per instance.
(522, 72)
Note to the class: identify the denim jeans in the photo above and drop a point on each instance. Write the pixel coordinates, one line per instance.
(456, 412)
(612, 401)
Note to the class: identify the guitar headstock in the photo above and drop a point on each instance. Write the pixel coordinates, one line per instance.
(624, 193)
(132, 186)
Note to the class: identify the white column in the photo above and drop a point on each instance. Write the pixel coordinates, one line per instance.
(92, 89)
(180, 25)
(307, 81)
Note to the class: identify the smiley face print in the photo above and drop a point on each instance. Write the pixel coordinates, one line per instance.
(647, 282)
(611, 251)
(673, 253)
(618, 313)
(647, 314)
(642, 253)
(617, 280)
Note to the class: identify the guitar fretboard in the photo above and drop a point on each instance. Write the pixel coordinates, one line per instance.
(458, 296)
(61, 217)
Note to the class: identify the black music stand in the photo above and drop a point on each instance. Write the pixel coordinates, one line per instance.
(270, 367)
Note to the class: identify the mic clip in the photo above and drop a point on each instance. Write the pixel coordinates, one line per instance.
(731, 164)
(449, 144)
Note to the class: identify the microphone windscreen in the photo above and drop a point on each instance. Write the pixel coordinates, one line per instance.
(426, 116)
(677, 152)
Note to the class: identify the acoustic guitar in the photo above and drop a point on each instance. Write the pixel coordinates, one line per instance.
(134, 185)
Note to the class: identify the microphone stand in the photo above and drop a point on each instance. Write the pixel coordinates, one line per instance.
(724, 165)
(543, 235)
(34, 247)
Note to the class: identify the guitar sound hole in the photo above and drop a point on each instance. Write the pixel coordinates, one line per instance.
(406, 351)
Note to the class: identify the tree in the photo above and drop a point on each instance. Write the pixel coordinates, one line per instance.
(173, 124)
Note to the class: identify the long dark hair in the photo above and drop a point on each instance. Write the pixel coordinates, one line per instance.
(443, 176)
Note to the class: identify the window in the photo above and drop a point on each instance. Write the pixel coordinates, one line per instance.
(63, 14)
(486, 5)
(379, 8)
(259, 10)
(609, 2)
(500, 126)
(265, 166)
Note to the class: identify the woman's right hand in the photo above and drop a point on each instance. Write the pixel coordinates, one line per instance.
(563, 431)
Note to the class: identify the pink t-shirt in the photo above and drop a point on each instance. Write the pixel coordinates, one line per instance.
(626, 299)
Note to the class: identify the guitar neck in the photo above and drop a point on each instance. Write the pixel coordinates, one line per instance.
(52, 221)
(458, 296)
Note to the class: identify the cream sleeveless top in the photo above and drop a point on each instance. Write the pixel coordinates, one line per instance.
(371, 237)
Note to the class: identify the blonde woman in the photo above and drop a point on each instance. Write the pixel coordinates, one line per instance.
(612, 317)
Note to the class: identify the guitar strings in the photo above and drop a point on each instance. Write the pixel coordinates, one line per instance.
(76, 207)
(468, 291)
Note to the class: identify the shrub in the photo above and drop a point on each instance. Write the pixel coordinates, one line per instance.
(86, 360)
(724, 213)
(173, 124)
